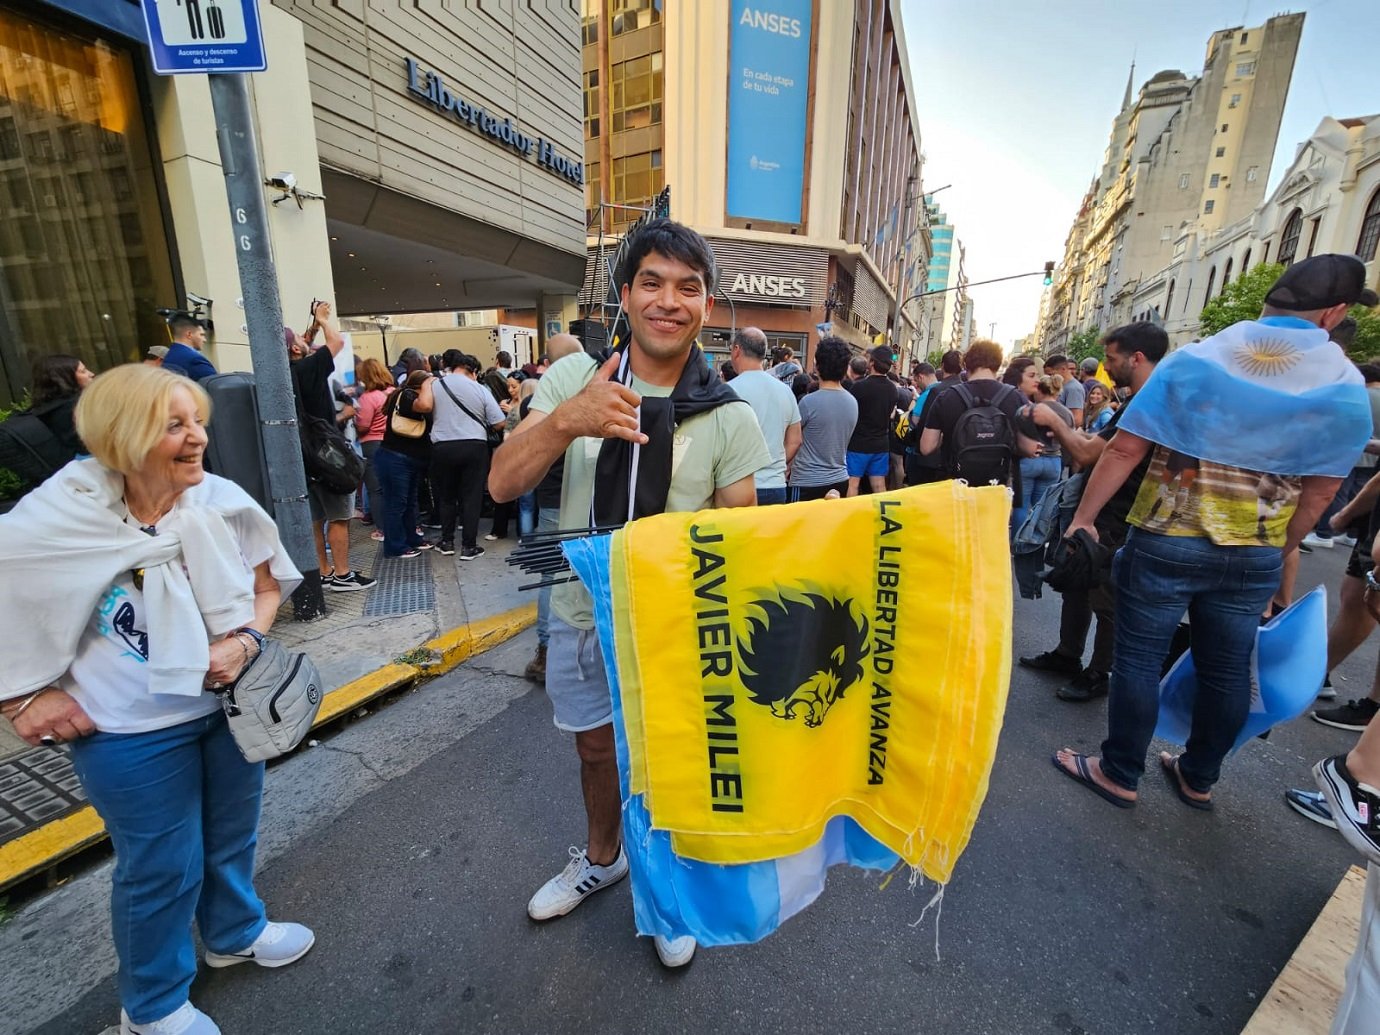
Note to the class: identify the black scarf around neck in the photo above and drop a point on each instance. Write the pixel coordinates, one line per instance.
(632, 481)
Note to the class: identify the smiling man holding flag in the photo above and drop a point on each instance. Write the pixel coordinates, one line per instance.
(1252, 431)
(651, 431)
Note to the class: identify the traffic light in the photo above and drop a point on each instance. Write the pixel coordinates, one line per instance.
(1049, 274)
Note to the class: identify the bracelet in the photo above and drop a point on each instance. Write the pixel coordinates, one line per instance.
(27, 701)
(244, 642)
(253, 634)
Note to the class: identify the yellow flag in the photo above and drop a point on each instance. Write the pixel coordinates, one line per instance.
(1104, 377)
(783, 665)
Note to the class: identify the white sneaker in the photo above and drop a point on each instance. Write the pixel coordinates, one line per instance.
(185, 1020)
(277, 946)
(1317, 542)
(1344, 540)
(674, 952)
(569, 888)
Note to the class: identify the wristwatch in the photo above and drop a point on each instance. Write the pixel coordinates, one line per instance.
(257, 636)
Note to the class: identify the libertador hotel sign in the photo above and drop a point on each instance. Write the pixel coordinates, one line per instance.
(429, 88)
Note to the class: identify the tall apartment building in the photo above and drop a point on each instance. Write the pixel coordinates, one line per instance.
(1184, 152)
(1328, 200)
(788, 137)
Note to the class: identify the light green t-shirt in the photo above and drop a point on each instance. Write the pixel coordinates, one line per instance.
(710, 451)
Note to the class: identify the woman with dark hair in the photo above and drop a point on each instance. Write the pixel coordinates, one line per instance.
(399, 463)
(57, 383)
(409, 363)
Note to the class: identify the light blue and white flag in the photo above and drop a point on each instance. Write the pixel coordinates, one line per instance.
(717, 904)
(1272, 395)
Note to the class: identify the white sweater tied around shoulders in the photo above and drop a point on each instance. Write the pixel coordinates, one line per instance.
(66, 542)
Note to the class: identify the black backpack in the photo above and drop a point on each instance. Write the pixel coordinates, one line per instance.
(983, 441)
(328, 456)
(29, 448)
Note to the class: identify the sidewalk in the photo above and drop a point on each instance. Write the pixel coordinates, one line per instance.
(424, 615)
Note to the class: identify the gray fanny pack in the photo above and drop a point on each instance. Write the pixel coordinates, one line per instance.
(273, 703)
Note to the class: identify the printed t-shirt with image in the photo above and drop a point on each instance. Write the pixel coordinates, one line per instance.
(1184, 496)
(710, 451)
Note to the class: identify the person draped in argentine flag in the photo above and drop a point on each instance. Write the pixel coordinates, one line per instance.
(1250, 433)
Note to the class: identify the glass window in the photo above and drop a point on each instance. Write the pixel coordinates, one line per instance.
(1289, 237)
(84, 248)
(1226, 274)
(1252, 173)
(637, 180)
(631, 15)
(1235, 100)
(635, 97)
(1208, 206)
(591, 92)
(1221, 152)
(1183, 181)
(1214, 180)
(1370, 229)
(593, 195)
(589, 23)
(1245, 68)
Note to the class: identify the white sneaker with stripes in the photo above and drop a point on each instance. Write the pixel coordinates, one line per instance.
(580, 879)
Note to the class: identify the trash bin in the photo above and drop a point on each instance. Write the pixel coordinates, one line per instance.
(235, 449)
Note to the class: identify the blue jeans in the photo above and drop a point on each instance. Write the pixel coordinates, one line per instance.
(767, 497)
(527, 513)
(1224, 589)
(548, 520)
(398, 477)
(182, 808)
(1039, 474)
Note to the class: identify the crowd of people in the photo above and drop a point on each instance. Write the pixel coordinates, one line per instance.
(1166, 512)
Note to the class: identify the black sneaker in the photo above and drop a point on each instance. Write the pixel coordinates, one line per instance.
(424, 545)
(1310, 804)
(1053, 661)
(1354, 715)
(471, 553)
(1355, 806)
(1328, 691)
(1086, 686)
(351, 583)
(446, 547)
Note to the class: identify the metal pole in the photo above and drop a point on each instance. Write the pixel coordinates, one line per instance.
(263, 311)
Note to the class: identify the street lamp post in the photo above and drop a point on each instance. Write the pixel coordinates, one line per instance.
(383, 323)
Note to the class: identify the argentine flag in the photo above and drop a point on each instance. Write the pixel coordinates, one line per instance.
(717, 904)
(1273, 395)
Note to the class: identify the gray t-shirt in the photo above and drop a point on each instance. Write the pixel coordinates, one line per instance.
(452, 424)
(1073, 397)
(773, 404)
(827, 419)
(1049, 446)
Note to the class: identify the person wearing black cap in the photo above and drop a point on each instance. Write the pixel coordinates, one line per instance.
(1270, 415)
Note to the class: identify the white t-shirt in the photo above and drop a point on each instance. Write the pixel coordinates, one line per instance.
(108, 678)
(774, 406)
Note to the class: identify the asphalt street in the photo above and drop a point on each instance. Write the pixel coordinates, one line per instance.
(410, 842)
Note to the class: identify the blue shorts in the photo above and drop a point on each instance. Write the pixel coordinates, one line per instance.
(868, 465)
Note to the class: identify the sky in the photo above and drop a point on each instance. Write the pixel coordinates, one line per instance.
(1015, 101)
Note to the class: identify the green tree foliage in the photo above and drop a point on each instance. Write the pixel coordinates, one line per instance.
(1084, 344)
(1243, 299)
(1367, 343)
(1240, 300)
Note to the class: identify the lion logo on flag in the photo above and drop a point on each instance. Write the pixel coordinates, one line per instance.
(802, 654)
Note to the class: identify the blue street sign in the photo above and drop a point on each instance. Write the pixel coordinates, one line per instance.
(190, 36)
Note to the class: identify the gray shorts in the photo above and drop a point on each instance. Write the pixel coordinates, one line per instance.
(330, 506)
(575, 679)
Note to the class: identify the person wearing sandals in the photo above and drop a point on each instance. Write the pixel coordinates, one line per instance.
(1231, 489)
(126, 640)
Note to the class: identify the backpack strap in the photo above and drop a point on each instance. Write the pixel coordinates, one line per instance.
(969, 400)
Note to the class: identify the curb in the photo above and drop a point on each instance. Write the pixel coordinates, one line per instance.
(30, 854)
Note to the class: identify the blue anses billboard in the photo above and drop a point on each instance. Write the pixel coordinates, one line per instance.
(768, 93)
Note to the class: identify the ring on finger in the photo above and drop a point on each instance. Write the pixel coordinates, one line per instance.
(48, 740)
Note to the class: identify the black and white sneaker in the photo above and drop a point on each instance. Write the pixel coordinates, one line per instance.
(351, 583)
(1328, 692)
(1355, 806)
(1354, 715)
(569, 888)
(471, 553)
(446, 548)
(1311, 805)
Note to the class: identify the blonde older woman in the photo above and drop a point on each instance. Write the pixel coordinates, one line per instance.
(140, 583)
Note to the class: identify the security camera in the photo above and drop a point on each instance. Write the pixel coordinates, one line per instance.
(283, 181)
(198, 301)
